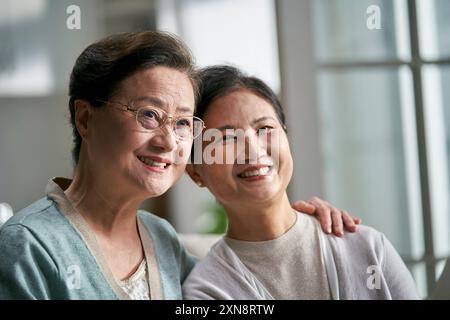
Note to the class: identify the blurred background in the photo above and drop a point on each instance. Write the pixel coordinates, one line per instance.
(362, 82)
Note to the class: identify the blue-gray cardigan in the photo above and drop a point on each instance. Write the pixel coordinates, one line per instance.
(45, 255)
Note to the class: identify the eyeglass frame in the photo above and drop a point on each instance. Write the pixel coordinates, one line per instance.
(165, 118)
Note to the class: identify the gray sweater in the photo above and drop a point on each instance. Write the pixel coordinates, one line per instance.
(361, 265)
(300, 271)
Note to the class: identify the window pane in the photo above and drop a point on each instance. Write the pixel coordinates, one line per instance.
(370, 155)
(342, 34)
(37, 50)
(436, 80)
(440, 268)
(434, 28)
(418, 271)
(25, 67)
(221, 32)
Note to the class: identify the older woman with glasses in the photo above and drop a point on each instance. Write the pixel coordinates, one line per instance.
(132, 99)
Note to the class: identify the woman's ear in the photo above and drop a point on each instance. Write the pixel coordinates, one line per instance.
(82, 115)
(192, 172)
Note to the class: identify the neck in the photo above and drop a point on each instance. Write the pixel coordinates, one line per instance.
(260, 222)
(103, 204)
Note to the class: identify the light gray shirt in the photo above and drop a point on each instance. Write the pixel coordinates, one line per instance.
(300, 270)
(361, 265)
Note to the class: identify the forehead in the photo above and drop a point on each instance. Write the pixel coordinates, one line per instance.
(171, 87)
(239, 107)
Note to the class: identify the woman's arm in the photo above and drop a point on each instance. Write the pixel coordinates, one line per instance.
(26, 269)
(398, 278)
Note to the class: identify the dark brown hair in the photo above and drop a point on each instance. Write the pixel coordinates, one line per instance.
(217, 81)
(102, 66)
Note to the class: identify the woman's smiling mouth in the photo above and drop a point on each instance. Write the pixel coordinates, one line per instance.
(155, 163)
(255, 173)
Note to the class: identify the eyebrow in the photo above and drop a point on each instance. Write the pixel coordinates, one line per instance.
(262, 119)
(227, 126)
(160, 103)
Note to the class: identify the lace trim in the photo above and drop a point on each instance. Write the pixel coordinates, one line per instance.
(136, 286)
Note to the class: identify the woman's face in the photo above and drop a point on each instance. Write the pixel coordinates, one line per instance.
(267, 167)
(146, 163)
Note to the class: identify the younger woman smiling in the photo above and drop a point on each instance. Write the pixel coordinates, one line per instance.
(271, 251)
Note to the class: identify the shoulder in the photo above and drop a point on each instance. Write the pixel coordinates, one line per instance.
(366, 244)
(38, 218)
(35, 230)
(365, 235)
(25, 238)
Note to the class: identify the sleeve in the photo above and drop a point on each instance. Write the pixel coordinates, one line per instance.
(26, 268)
(204, 283)
(398, 278)
(218, 277)
(197, 290)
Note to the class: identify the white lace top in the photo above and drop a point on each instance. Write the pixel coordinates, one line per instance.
(136, 286)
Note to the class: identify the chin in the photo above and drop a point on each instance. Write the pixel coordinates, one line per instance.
(154, 187)
(261, 195)
(156, 192)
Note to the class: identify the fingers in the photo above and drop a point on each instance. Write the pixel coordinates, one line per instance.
(304, 207)
(323, 213)
(349, 221)
(338, 226)
(331, 219)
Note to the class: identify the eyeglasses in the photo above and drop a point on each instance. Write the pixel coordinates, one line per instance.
(151, 118)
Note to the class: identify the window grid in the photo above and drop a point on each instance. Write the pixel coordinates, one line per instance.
(415, 65)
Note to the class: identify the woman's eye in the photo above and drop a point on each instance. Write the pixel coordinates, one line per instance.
(228, 137)
(264, 129)
(150, 114)
(184, 123)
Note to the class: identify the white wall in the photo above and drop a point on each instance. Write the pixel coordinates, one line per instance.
(35, 134)
(35, 142)
(298, 94)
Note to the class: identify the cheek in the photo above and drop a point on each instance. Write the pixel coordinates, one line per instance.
(122, 144)
(218, 178)
(103, 141)
(280, 151)
(106, 130)
(183, 152)
(286, 161)
(117, 146)
(276, 147)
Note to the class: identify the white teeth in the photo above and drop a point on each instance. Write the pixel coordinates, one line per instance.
(152, 163)
(254, 173)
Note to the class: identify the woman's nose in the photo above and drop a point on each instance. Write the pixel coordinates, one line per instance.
(164, 139)
(255, 148)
